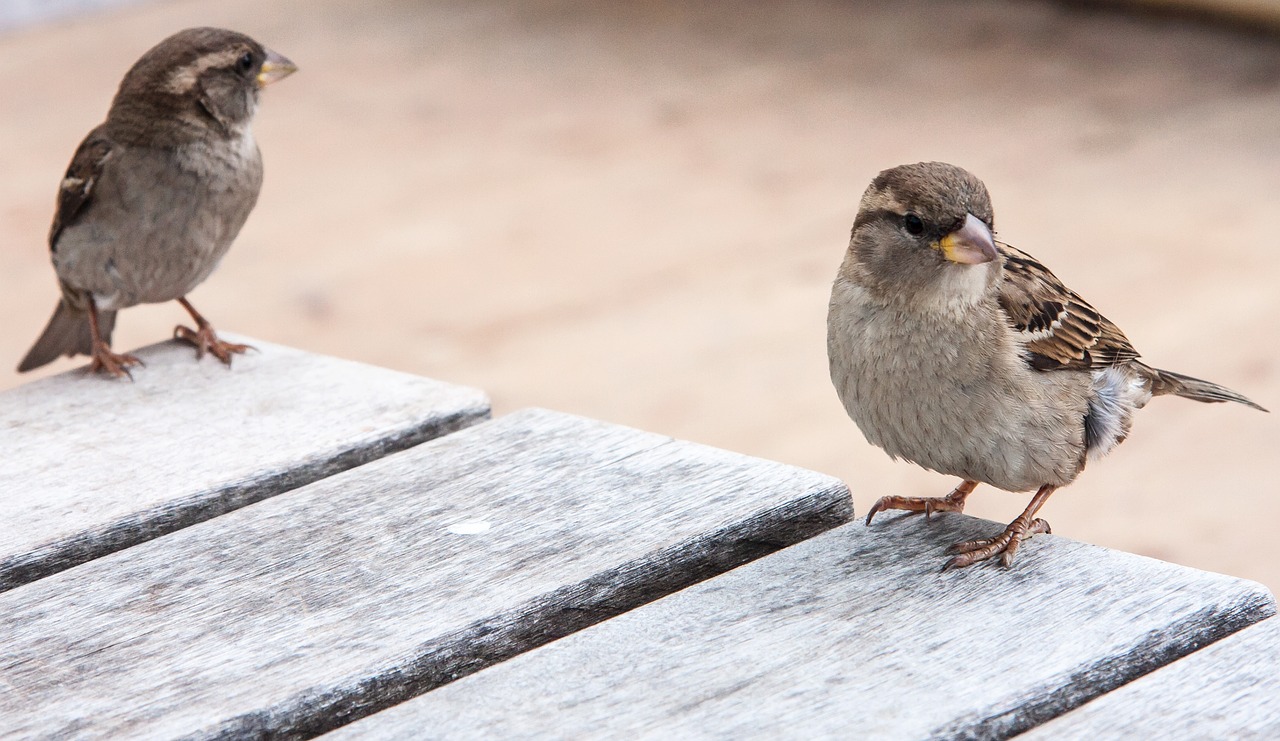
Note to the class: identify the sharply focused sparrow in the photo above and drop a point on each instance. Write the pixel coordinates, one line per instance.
(972, 359)
(155, 195)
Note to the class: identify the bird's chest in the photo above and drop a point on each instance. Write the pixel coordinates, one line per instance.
(223, 179)
(161, 221)
(191, 200)
(897, 377)
(948, 392)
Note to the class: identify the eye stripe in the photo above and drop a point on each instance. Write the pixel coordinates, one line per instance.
(866, 217)
(185, 77)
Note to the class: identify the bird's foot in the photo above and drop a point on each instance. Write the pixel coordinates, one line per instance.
(1006, 544)
(114, 364)
(953, 502)
(972, 551)
(206, 340)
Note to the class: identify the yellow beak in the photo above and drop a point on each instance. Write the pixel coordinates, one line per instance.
(971, 244)
(276, 67)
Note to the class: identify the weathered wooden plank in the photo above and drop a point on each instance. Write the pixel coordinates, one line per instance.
(1230, 690)
(93, 465)
(301, 612)
(853, 634)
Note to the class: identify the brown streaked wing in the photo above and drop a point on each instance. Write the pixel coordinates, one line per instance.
(1061, 330)
(76, 189)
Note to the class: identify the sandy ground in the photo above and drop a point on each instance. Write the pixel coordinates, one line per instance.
(634, 212)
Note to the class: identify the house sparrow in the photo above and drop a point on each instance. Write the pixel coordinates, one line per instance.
(155, 195)
(969, 358)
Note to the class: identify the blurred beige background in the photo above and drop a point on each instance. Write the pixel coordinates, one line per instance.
(634, 212)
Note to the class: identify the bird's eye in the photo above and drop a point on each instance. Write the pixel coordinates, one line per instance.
(913, 225)
(245, 63)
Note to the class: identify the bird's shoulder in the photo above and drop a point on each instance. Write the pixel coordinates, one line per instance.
(1059, 329)
(81, 180)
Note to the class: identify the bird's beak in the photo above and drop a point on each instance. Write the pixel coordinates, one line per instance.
(971, 244)
(277, 67)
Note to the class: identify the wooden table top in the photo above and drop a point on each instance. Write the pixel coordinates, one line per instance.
(303, 545)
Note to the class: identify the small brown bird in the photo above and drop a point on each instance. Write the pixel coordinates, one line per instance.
(972, 359)
(155, 195)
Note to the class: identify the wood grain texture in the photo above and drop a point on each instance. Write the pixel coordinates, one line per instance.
(853, 634)
(296, 614)
(1230, 690)
(92, 465)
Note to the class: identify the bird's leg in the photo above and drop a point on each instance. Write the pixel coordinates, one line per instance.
(1006, 543)
(103, 359)
(953, 502)
(204, 338)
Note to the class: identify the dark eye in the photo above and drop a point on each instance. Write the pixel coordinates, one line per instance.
(913, 225)
(245, 63)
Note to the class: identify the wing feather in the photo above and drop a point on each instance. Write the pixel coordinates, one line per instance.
(76, 191)
(1060, 329)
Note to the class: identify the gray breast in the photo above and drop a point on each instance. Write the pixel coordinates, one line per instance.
(160, 221)
(956, 399)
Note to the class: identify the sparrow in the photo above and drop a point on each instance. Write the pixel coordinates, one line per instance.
(969, 357)
(155, 195)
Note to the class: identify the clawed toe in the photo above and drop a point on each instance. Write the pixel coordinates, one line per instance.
(105, 361)
(206, 340)
(882, 503)
(953, 502)
(969, 552)
(1005, 544)
(115, 364)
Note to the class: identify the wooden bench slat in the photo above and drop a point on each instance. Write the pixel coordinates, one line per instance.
(92, 465)
(301, 612)
(1228, 690)
(853, 634)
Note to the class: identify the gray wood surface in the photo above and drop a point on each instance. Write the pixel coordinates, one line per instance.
(92, 465)
(1230, 690)
(853, 634)
(298, 613)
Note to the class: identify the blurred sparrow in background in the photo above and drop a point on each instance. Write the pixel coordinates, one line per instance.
(972, 359)
(155, 195)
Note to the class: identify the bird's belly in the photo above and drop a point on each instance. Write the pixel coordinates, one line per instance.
(160, 258)
(154, 244)
(948, 406)
(181, 252)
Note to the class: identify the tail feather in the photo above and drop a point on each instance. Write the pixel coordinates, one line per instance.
(67, 334)
(1168, 382)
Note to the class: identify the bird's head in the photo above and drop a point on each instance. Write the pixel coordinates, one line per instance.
(924, 231)
(206, 77)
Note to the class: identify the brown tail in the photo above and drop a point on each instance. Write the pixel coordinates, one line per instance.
(1168, 382)
(67, 334)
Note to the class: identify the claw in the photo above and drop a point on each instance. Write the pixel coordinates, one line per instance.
(953, 502)
(116, 365)
(879, 505)
(103, 359)
(205, 339)
(1005, 544)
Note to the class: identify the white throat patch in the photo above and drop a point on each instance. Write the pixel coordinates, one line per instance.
(960, 288)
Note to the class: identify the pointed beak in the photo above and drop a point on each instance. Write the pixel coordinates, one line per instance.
(276, 67)
(971, 244)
